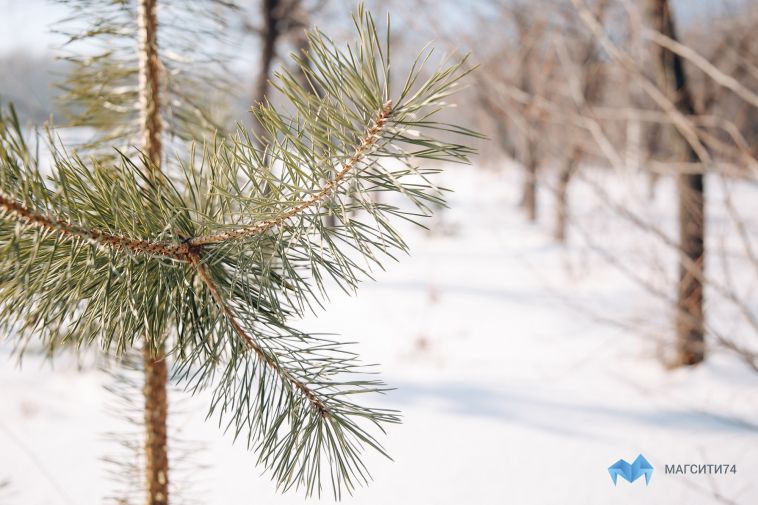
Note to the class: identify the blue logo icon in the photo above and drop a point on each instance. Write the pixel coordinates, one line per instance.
(632, 472)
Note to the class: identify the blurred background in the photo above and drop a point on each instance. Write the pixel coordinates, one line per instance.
(589, 294)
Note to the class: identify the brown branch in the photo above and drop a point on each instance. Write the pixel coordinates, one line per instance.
(372, 134)
(106, 240)
(251, 343)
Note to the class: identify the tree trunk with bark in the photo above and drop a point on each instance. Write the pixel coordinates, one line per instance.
(561, 194)
(592, 80)
(270, 11)
(529, 191)
(154, 359)
(690, 332)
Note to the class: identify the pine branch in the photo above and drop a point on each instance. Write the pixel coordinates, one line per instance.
(204, 261)
(192, 248)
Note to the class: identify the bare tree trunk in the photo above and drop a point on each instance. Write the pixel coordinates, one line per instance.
(690, 316)
(561, 204)
(270, 34)
(154, 359)
(592, 80)
(529, 192)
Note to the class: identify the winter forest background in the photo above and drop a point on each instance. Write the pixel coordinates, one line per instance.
(588, 295)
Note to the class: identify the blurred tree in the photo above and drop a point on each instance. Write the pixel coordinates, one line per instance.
(523, 64)
(279, 19)
(590, 84)
(188, 259)
(690, 332)
(530, 33)
(272, 14)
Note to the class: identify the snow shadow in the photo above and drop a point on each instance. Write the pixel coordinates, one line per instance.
(562, 416)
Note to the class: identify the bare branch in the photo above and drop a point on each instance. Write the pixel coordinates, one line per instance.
(703, 64)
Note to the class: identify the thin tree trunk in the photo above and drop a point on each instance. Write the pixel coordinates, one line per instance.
(156, 430)
(690, 317)
(154, 359)
(561, 205)
(592, 80)
(529, 192)
(270, 12)
(149, 82)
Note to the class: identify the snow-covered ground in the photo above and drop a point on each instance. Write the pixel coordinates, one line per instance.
(518, 377)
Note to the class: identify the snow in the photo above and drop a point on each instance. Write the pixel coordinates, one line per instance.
(523, 369)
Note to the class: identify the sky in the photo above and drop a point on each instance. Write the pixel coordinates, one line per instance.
(26, 25)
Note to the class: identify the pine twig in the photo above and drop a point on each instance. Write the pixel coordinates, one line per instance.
(10, 207)
(252, 344)
(372, 134)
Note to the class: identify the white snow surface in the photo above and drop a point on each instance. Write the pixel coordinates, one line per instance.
(523, 369)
